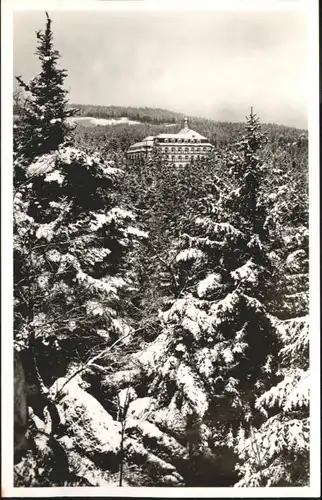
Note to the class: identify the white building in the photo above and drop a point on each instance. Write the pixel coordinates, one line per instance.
(179, 149)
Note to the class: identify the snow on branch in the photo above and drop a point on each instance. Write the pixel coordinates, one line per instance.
(291, 393)
(218, 228)
(248, 273)
(212, 282)
(190, 254)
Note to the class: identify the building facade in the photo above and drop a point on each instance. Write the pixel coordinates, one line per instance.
(179, 149)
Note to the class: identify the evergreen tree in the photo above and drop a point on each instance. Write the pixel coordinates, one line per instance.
(43, 122)
(71, 275)
(277, 453)
(71, 243)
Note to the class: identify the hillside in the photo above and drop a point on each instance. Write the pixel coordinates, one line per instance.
(146, 115)
(156, 116)
(126, 125)
(146, 121)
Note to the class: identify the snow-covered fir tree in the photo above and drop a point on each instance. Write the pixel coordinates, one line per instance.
(72, 279)
(43, 120)
(72, 274)
(277, 453)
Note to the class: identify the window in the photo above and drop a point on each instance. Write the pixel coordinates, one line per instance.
(166, 149)
(173, 149)
(173, 140)
(198, 149)
(179, 157)
(179, 149)
(166, 140)
(187, 157)
(180, 164)
(186, 149)
(173, 157)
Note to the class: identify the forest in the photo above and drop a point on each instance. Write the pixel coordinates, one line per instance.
(161, 329)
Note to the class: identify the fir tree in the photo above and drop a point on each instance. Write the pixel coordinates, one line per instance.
(277, 453)
(43, 121)
(72, 277)
(71, 242)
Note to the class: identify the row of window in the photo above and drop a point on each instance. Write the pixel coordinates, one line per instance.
(186, 149)
(179, 141)
(134, 156)
(184, 157)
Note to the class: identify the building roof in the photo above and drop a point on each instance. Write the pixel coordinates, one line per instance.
(192, 134)
(184, 133)
(148, 141)
(137, 145)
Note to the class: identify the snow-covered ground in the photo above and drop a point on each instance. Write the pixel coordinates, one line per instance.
(91, 120)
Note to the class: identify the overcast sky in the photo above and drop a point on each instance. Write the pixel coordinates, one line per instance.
(211, 64)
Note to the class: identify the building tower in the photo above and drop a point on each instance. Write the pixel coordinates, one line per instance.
(186, 125)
